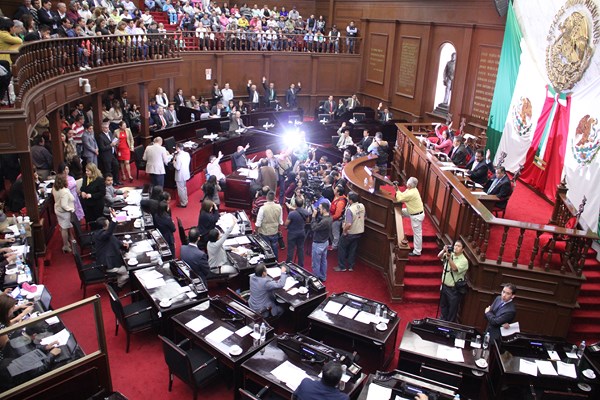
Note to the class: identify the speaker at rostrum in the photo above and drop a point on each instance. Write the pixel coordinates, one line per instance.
(501, 6)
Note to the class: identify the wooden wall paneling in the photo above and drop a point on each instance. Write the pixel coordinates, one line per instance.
(325, 78)
(348, 76)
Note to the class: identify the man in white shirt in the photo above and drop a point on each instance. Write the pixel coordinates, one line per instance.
(156, 157)
(213, 168)
(181, 163)
(227, 94)
(345, 140)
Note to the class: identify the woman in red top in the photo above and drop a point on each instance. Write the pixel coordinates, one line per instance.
(124, 149)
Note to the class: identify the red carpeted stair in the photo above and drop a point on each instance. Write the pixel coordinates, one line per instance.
(422, 274)
(585, 322)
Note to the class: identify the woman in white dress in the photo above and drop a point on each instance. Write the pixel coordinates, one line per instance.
(63, 207)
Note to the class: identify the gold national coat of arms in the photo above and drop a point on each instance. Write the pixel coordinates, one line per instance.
(571, 42)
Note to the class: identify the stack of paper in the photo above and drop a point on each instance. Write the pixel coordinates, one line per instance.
(451, 354)
(512, 328)
(289, 283)
(219, 334)
(199, 323)
(333, 307)
(290, 374)
(377, 392)
(274, 272)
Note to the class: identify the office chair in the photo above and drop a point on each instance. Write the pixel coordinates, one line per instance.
(200, 133)
(170, 144)
(358, 117)
(181, 230)
(138, 156)
(224, 126)
(135, 317)
(190, 364)
(91, 273)
(324, 117)
(85, 240)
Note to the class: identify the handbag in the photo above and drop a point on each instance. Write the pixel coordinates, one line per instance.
(280, 241)
(461, 286)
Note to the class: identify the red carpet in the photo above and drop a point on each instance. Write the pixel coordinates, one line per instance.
(142, 372)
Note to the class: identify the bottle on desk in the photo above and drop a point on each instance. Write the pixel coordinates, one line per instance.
(263, 333)
(486, 341)
(378, 310)
(256, 330)
(457, 396)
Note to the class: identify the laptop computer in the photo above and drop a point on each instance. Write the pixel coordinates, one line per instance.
(43, 303)
(68, 350)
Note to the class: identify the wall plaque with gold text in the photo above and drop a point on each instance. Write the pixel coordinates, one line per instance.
(409, 62)
(376, 57)
(487, 70)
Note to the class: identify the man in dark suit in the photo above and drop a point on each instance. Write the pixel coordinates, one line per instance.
(385, 115)
(205, 107)
(194, 257)
(106, 152)
(253, 96)
(162, 120)
(270, 93)
(236, 123)
(179, 100)
(49, 17)
(330, 107)
(458, 154)
(501, 312)
(366, 140)
(500, 186)
(218, 110)
(239, 157)
(108, 249)
(478, 168)
(291, 94)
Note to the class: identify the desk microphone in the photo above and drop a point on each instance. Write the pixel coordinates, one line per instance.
(232, 319)
(312, 360)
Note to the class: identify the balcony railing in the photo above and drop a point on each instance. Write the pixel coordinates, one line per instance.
(39, 61)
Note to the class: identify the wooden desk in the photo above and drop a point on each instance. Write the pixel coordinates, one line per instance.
(174, 288)
(396, 379)
(505, 374)
(142, 258)
(376, 347)
(220, 320)
(258, 369)
(420, 354)
(301, 305)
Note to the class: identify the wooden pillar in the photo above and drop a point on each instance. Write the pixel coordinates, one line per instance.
(57, 147)
(97, 110)
(31, 203)
(145, 129)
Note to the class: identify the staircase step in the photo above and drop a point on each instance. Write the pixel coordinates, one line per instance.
(587, 315)
(422, 297)
(585, 328)
(589, 302)
(590, 289)
(423, 271)
(422, 284)
(592, 276)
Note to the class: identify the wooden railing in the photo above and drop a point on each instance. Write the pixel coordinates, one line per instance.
(39, 61)
(456, 212)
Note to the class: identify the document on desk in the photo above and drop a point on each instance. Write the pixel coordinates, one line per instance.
(528, 367)
(148, 274)
(290, 374)
(154, 283)
(366, 318)
(219, 334)
(348, 312)
(274, 272)
(451, 354)
(61, 337)
(553, 355)
(377, 392)
(289, 283)
(199, 323)
(333, 307)
(27, 362)
(567, 370)
(512, 328)
(250, 173)
(545, 367)
(243, 331)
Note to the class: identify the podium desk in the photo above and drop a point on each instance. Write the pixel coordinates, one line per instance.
(217, 324)
(258, 369)
(179, 285)
(425, 351)
(357, 333)
(508, 376)
(301, 305)
(146, 249)
(403, 384)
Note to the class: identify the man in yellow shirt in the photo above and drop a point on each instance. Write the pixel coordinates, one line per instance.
(413, 210)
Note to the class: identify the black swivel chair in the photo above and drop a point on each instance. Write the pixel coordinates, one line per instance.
(138, 156)
(224, 126)
(85, 240)
(200, 133)
(135, 317)
(263, 394)
(91, 273)
(190, 364)
(170, 144)
(181, 230)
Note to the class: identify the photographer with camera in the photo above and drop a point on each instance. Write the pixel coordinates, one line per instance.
(453, 279)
